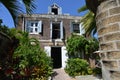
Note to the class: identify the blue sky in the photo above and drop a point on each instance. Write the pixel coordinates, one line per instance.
(68, 6)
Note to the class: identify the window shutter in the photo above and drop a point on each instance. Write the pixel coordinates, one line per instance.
(49, 9)
(47, 49)
(40, 26)
(71, 27)
(64, 57)
(61, 30)
(60, 10)
(50, 30)
(27, 26)
(82, 31)
(80, 28)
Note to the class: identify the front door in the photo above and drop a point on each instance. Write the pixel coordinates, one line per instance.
(56, 57)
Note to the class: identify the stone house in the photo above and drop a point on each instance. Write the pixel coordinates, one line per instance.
(52, 30)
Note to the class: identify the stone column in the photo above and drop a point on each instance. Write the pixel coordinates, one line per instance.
(108, 24)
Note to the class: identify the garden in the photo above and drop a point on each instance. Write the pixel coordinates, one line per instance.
(21, 57)
(82, 59)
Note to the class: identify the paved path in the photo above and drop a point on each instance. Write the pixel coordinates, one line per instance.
(59, 74)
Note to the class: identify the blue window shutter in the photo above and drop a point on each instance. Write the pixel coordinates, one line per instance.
(61, 30)
(50, 30)
(80, 28)
(71, 27)
(40, 26)
(27, 26)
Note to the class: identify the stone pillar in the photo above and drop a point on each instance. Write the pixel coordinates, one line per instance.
(108, 24)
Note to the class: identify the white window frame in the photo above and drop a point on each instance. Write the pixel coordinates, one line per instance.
(38, 27)
(61, 29)
(72, 23)
(59, 9)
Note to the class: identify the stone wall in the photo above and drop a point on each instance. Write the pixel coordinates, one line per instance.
(108, 24)
(46, 19)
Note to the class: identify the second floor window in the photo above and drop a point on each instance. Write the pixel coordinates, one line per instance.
(76, 28)
(56, 30)
(34, 27)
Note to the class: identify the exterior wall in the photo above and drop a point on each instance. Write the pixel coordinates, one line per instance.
(108, 24)
(44, 37)
(45, 41)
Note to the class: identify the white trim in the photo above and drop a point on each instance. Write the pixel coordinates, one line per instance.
(59, 10)
(33, 26)
(64, 57)
(61, 30)
(82, 30)
(47, 49)
(39, 26)
(50, 40)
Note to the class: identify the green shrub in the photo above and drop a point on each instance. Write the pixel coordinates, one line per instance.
(33, 61)
(76, 67)
(97, 71)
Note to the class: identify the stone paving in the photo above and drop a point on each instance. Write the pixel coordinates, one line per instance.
(59, 74)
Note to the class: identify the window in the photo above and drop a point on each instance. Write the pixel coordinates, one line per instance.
(76, 28)
(56, 30)
(55, 11)
(34, 27)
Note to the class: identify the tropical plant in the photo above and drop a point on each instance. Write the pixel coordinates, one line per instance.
(76, 46)
(91, 47)
(33, 61)
(77, 67)
(28, 61)
(88, 21)
(13, 6)
(7, 46)
(83, 48)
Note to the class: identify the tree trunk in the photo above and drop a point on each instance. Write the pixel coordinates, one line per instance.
(108, 25)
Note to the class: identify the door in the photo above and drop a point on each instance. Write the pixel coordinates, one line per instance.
(56, 57)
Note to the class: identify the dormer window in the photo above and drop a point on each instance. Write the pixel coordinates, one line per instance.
(54, 9)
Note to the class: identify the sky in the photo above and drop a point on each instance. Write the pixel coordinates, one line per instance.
(68, 6)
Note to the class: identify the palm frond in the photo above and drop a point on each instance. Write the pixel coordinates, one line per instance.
(29, 5)
(14, 8)
(84, 8)
(89, 23)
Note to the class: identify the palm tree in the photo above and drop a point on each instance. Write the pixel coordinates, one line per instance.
(14, 8)
(88, 21)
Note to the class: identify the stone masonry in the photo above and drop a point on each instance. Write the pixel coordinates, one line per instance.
(108, 24)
